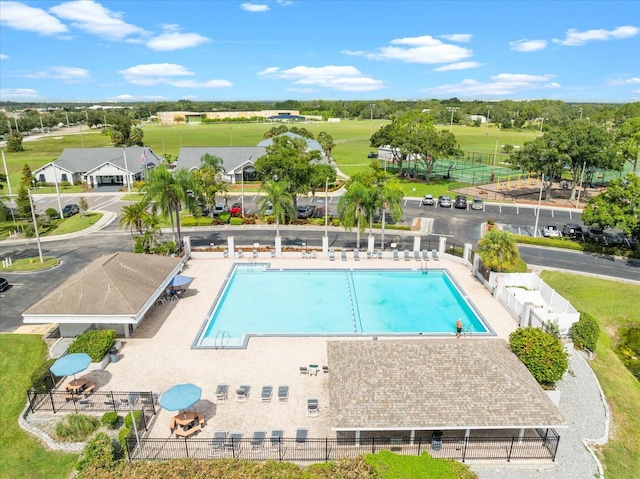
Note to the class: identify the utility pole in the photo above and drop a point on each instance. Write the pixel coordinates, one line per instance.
(489, 107)
(372, 106)
(35, 225)
(452, 109)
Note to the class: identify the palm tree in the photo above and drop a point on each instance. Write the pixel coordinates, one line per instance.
(278, 199)
(355, 204)
(134, 216)
(169, 191)
(327, 143)
(498, 250)
(389, 197)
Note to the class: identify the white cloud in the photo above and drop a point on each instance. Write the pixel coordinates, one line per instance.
(127, 97)
(3, 56)
(68, 74)
(458, 37)
(166, 73)
(176, 41)
(343, 78)
(254, 7)
(575, 38)
(93, 18)
(22, 17)
(528, 45)
(503, 84)
(16, 94)
(457, 66)
(424, 49)
(624, 81)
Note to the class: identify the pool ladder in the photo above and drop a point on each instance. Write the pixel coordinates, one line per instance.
(221, 336)
(353, 311)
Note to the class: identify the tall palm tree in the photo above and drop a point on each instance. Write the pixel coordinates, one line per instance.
(389, 197)
(327, 143)
(278, 199)
(356, 204)
(169, 191)
(498, 250)
(133, 216)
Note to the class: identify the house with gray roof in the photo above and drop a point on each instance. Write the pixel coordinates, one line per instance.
(99, 166)
(112, 292)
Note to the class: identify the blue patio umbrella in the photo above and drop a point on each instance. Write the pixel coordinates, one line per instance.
(180, 396)
(179, 281)
(70, 364)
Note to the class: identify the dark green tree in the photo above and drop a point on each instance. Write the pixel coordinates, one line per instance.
(22, 202)
(27, 176)
(14, 143)
(542, 354)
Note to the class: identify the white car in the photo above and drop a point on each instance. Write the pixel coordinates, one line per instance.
(550, 231)
(477, 204)
(428, 200)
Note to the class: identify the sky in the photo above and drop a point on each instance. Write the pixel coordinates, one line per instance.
(118, 51)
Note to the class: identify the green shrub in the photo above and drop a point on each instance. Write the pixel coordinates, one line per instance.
(41, 377)
(122, 437)
(76, 427)
(165, 248)
(585, 332)
(389, 464)
(519, 267)
(98, 453)
(128, 421)
(52, 213)
(95, 343)
(110, 419)
(224, 217)
(541, 353)
(335, 222)
(235, 221)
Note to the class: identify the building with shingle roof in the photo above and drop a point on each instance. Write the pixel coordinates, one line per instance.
(99, 166)
(415, 386)
(112, 292)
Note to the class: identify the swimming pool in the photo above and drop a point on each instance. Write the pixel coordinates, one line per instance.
(256, 300)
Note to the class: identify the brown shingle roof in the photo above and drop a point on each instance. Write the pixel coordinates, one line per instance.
(434, 384)
(117, 284)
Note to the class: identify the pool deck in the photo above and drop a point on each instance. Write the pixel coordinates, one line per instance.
(159, 354)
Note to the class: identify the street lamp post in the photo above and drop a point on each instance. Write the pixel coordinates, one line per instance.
(326, 208)
(584, 166)
(67, 115)
(495, 153)
(35, 226)
(372, 106)
(6, 174)
(126, 170)
(535, 228)
(542, 123)
(230, 136)
(489, 107)
(452, 109)
(580, 110)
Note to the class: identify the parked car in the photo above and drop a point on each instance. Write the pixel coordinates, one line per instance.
(305, 211)
(461, 202)
(236, 209)
(269, 209)
(573, 231)
(70, 210)
(550, 231)
(219, 209)
(477, 204)
(372, 154)
(4, 284)
(596, 234)
(428, 200)
(444, 201)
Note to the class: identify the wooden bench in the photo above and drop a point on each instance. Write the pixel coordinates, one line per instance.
(182, 433)
(89, 388)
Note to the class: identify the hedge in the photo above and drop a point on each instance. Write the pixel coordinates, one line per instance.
(95, 343)
(585, 332)
(110, 419)
(541, 353)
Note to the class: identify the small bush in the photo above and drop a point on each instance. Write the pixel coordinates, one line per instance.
(224, 217)
(249, 220)
(52, 213)
(95, 343)
(335, 222)
(110, 419)
(585, 332)
(98, 453)
(76, 427)
(128, 421)
(122, 437)
(235, 221)
(541, 353)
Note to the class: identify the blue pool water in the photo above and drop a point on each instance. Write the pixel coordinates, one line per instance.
(259, 301)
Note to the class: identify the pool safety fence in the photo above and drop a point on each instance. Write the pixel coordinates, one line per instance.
(510, 448)
(98, 401)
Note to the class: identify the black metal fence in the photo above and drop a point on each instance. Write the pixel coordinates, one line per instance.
(543, 447)
(99, 401)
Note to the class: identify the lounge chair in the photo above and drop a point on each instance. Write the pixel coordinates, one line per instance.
(114, 403)
(233, 442)
(332, 254)
(301, 436)
(254, 253)
(416, 255)
(312, 407)
(257, 441)
(219, 438)
(273, 253)
(148, 399)
(222, 392)
(313, 369)
(283, 393)
(344, 255)
(425, 255)
(314, 254)
(275, 440)
(267, 392)
(379, 254)
(325, 369)
(407, 256)
(369, 254)
(435, 255)
(85, 403)
(396, 256)
(225, 253)
(304, 370)
(242, 393)
(356, 255)
(240, 253)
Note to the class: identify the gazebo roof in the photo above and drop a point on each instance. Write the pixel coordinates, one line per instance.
(434, 384)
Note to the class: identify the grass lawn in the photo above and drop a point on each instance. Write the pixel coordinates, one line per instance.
(31, 264)
(614, 305)
(75, 223)
(22, 455)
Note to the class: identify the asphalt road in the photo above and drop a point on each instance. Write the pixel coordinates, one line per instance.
(458, 226)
